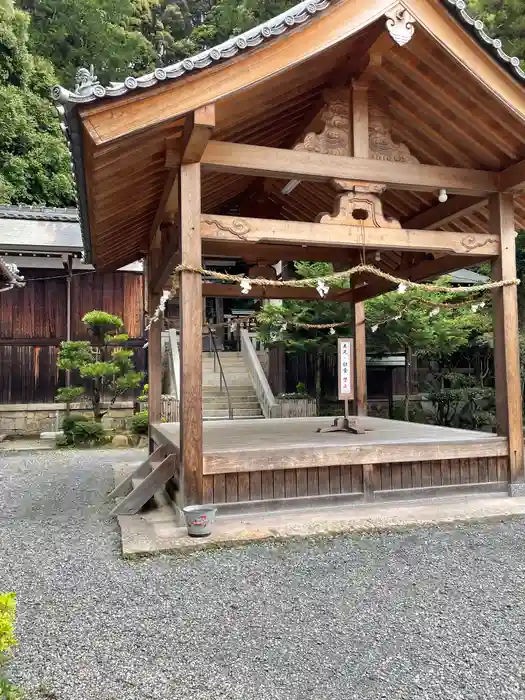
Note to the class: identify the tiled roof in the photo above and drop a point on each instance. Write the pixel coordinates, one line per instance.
(89, 89)
(38, 213)
(40, 229)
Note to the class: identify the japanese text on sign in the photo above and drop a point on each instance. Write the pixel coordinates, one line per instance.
(346, 368)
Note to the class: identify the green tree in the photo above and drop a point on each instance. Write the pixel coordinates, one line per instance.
(80, 33)
(180, 28)
(274, 330)
(504, 19)
(107, 369)
(34, 159)
(410, 323)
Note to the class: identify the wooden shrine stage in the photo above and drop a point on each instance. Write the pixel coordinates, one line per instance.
(271, 460)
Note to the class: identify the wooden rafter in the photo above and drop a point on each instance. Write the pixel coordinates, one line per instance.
(444, 212)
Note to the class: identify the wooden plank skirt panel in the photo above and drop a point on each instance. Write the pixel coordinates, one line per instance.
(335, 480)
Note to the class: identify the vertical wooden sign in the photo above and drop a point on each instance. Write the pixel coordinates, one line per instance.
(345, 365)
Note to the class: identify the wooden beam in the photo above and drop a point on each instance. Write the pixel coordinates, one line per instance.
(262, 161)
(198, 128)
(513, 178)
(506, 339)
(191, 333)
(443, 213)
(246, 231)
(271, 253)
(233, 291)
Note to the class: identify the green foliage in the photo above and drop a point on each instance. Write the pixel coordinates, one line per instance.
(34, 159)
(294, 339)
(7, 622)
(504, 20)
(74, 354)
(441, 335)
(75, 33)
(144, 395)
(139, 423)
(81, 431)
(109, 370)
(68, 394)
(8, 691)
(7, 641)
(458, 401)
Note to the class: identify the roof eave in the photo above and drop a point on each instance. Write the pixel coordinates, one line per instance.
(71, 125)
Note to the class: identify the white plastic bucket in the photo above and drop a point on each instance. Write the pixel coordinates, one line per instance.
(199, 520)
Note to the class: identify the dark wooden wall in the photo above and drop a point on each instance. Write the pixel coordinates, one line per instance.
(33, 322)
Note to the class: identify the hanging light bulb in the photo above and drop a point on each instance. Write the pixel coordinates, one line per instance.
(378, 256)
(442, 196)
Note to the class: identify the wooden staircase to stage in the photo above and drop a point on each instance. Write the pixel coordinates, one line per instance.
(147, 485)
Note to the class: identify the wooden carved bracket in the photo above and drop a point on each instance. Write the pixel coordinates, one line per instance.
(238, 228)
(380, 143)
(363, 209)
(334, 139)
(400, 24)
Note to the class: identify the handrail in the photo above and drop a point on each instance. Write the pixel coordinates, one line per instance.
(269, 405)
(222, 376)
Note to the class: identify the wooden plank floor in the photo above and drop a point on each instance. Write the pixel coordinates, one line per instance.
(293, 433)
(265, 460)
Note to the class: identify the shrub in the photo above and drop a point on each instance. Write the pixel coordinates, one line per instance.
(7, 622)
(79, 430)
(139, 423)
(7, 641)
(107, 370)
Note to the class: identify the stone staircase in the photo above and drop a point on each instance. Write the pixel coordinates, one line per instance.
(243, 397)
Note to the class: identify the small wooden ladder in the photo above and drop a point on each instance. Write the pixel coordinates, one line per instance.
(160, 470)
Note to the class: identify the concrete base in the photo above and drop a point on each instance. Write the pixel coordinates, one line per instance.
(159, 531)
(517, 490)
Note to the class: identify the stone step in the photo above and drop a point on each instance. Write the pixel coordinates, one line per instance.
(234, 383)
(234, 390)
(225, 417)
(237, 413)
(236, 405)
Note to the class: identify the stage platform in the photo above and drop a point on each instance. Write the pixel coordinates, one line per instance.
(262, 460)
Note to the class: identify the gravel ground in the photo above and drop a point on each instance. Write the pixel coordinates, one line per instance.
(426, 614)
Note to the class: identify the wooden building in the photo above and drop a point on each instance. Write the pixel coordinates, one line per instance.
(406, 123)
(59, 288)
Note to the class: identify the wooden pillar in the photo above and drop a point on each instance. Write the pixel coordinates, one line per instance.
(359, 149)
(152, 300)
(191, 310)
(506, 340)
(154, 362)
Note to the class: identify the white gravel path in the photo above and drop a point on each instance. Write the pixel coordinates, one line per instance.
(435, 613)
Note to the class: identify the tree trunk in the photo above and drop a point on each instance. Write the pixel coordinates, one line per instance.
(408, 362)
(96, 403)
(318, 382)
